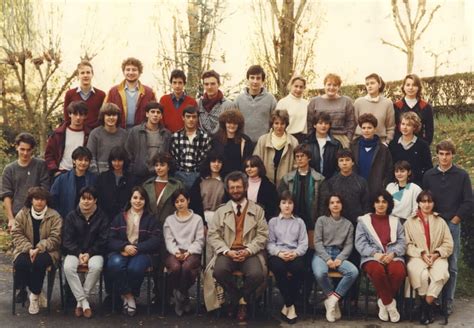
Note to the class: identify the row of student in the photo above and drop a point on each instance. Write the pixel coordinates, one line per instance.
(239, 236)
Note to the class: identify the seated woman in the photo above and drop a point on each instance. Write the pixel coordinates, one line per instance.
(333, 243)
(260, 189)
(36, 237)
(84, 244)
(134, 237)
(403, 191)
(287, 245)
(184, 237)
(429, 244)
(380, 241)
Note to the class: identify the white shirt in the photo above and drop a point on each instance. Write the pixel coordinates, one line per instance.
(74, 139)
(297, 110)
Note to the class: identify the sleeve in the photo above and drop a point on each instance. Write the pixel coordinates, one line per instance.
(302, 239)
(100, 243)
(56, 191)
(92, 146)
(152, 244)
(426, 161)
(7, 189)
(215, 234)
(129, 147)
(319, 249)
(429, 124)
(260, 147)
(170, 241)
(390, 122)
(197, 245)
(350, 120)
(49, 154)
(412, 249)
(466, 206)
(53, 242)
(70, 244)
(282, 186)
(362, 244)
(44, 179)
(174, 147)
(19, 239)
(388, 171)
(324, 194)
(311, 110)
(114, 242)
(399, 248)
(258, 243)
(271, 244)
(274, 104)
(447, 245)
(348, 244)
(67, 101)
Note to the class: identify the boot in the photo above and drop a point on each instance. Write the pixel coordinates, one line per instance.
(430, 312)
(424, 320)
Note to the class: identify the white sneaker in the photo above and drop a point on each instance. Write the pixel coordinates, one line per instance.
(393, 312)
(383, 314)
(34, 304)
(284, 310)
(292, 316)
(337, 311)
(330, 310)
(43, 301)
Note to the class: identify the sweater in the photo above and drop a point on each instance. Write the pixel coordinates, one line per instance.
(256, 112)
(209, 121)
(298, 111)
(287, 234)
(206, 195)
(172, 117)
(329, 159)
(331, 232)
(452, 192)
(94, 103)
(405, 204)
(383, 112)
(341, 111)
(114, 196)
(184, 234)
(424, 111)
(100, 143)
(234, 154)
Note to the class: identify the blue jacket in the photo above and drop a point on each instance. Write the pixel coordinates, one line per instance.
(367, 242)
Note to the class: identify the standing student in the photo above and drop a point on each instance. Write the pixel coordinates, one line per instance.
(256, 103)
(287, 245)
(131, 96)
(175, 102)
(339, 107)
(93, 97)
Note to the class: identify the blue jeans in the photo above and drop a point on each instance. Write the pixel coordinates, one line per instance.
(453, 260)
(188, 178)
(320, 269)
(128, 272)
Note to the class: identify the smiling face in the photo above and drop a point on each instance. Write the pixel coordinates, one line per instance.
(231, 128)
(322, 128)
(162, 170)
(407, 128)
(335, 206)
(279, 127)
(331, 89)
(215, 166)
(367, 130)
(286, 207)
(236, 190)
(87, 201)
(81, 164)
(117, 165)
(372, 86)
(410, 88)
(131, 73)
(110, 120)
(380, 206)
(251, 171)
(297, 88)
(137, 201)
(85, 75)
(402, 175)
(25, 152)
(426, 206)
(38, 204)
(181, 203)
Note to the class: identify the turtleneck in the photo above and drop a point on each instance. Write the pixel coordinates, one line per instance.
(278, 142)
(381, 226)
(254, 186)
(38, 215)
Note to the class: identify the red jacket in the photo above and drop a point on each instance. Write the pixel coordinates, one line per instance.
(117, 96)
(94, 102)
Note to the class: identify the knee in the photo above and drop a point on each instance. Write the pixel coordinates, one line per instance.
(174, 267)
(255, 276)
(114, 264)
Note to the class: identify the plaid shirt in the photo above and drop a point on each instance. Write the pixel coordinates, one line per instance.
(189, 156)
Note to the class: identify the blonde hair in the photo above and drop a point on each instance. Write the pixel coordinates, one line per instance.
(413, 118)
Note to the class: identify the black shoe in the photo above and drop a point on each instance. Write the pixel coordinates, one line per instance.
(21, 296)
(430, 312)
(424, 319)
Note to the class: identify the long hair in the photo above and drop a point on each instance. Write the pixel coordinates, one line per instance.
(230, 116)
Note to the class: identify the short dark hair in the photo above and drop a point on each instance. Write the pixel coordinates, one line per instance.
(153, 105)
(89, 190)
(180, 191)
(286, 195)
(77, 107)
(190, 110)
(119, 153)
(367, 118)
(178, 74)
(236, 176)
(328, 199)
(446, 145)
(37, 193)
(256, 161)
(256, 70)
(26, 138)
(205, 170)
(320, 117)
(425, 194)
(133, 62)
(109, 109)
(144, 194)
(211, 73)
(342, 153)
(385, 195)
(80, 152)
(303, 148)
(401, 165)
(164, 158)
(378, 78)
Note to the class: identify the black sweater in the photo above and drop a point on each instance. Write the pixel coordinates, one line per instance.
(113, 197)
(423, 110)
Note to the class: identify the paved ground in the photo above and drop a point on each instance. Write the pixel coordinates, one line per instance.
(463, 316)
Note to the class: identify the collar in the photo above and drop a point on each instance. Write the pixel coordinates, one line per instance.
(243, 203)
(400, 141)
(79, 90)
(173, 96)
(280, 216)
(127, 88)
(444, 171)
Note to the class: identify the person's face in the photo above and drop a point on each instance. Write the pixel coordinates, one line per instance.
(77, 120)
(110, 120)
(402, 175)
(81, 164)
(381, 206)
(85, 75)
(231, 127)
(372, 86)
(177, 84)
(297, 88)
(131, 73)
(406, 127)
(279, 127)
(410, 88)
(211, 86)
(345, 165)
(87, 201)
(335, 206)
(286, 207)
(367, 130)
(38, 204)
(445, 158)
(251, 171)
(255, 83)
(117, 164)
(215, 166)
(154, 116)
(137, 201)
(236, 190)
(25, 151)
(322, 128)
(181, 203)
(190, 121)
(426, 206)
(162, 169)
(302, 160)
(331, 89)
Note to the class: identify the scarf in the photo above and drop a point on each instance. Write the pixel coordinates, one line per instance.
(209, 103)
(87, 213)
(278, 142)
(38, 215)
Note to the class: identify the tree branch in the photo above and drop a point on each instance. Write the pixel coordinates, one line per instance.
(393, 45)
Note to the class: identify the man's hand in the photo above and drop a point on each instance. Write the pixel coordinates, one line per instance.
(131, 250)
(83, 258)
(33, 253)
(242, 255)
(11, 222)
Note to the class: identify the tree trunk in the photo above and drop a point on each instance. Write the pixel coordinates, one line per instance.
(286, 24)
(410, 59)
(194, 48)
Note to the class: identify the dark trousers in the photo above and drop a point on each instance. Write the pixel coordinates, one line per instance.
(128, 272)
(29, 274)
(288, 286)
(250, 268)
(182, 274)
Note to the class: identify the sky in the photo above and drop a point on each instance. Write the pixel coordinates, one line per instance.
(348, 43)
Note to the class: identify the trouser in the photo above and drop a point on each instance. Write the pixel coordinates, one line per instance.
(453, 260)
(187, 178)
(347, 269)
(182, 274)
(94, 265)
(128, 272)
(251, 269)
(429, 286)
(288, 286)
(29, 274)
(386, 279)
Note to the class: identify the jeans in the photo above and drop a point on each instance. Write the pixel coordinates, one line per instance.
(453, 260)
(320, 269)
(94, 265)
(128, 272)
(187, 178)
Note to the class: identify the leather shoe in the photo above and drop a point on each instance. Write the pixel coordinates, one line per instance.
(88, 313)
(78, 312)
(231, 309)
(21, 296)
(242, 312)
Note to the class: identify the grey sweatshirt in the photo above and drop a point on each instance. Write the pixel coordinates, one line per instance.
(331, 232)
(185, 233)
(100, 143)
(256, 112)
